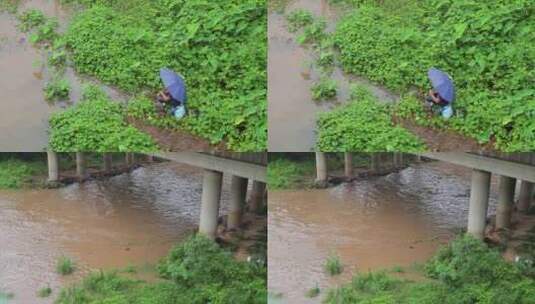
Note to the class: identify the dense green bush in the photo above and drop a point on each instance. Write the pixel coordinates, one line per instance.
(57, 89)
(324, 89)
(363, 125)
(466, 271)
(299, 18)
(219, 46)
(198, 270)
(96, 124)
(485, 46)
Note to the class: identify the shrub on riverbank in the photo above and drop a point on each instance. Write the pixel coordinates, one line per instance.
(465, 271)
(197, 271)
(364, 125)
(219, 46)
(96, 124)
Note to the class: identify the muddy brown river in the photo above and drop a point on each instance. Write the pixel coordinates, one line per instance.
(291, 73)
(371, 224)
(130, 219)
(23, 75)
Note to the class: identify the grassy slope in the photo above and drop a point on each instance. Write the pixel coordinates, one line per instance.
(485, 46)
(214, 45)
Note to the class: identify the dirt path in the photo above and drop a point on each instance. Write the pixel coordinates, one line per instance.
(444, 140)
(177, 140)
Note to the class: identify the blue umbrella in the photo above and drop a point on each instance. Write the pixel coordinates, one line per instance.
(174, 83)
(442, 84)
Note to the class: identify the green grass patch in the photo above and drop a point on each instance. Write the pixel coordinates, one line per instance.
(44, 292)
(65, 265)
(364, 125)
(30, 19)
(333, 266)
(42, 29)
(16, 173)
(465, 271)
(298, 19)
(10, 6)
(57, 89)
(324, 89)
(96, 124)
(313, 292)
(197, 271)
(219, 46)
(483, 45)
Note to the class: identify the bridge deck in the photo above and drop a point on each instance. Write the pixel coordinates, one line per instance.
(248, 165)
(520, 166)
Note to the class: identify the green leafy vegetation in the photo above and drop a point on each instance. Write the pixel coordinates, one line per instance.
(465, 271)
(57, 89)
(313, 33)
(96, 124)
(219, 46)
(16, 173)
(31, 19)
(484, 45)
(44, 292)
(42, 29)
(10, 6)
(333, 265)
(65, 265)
(298, 19)
(325, 89)
(364, 125)
(197, 271)
(313, 292)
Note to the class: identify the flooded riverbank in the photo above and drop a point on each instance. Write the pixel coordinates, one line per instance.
(292, 112)
(23, 75)
(129, 219)
(376, 223)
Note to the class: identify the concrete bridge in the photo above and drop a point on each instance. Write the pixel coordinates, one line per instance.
(511, 168)
(243, 167)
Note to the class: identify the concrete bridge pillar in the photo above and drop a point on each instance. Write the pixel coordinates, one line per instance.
(479, 200)
(238, 195)
(505, 202)
(257, 196)
(525, 196)
(80, 165)
(108, 162)
(53, 167)
(348, 169)
(321, 168)
(211, 195)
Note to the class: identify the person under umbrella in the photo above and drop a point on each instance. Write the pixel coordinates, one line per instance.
(174, 95)
(440, 98)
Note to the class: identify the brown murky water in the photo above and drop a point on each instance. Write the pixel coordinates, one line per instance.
(23, 75)
(372, 224)
(130, 219)
(292, 112)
